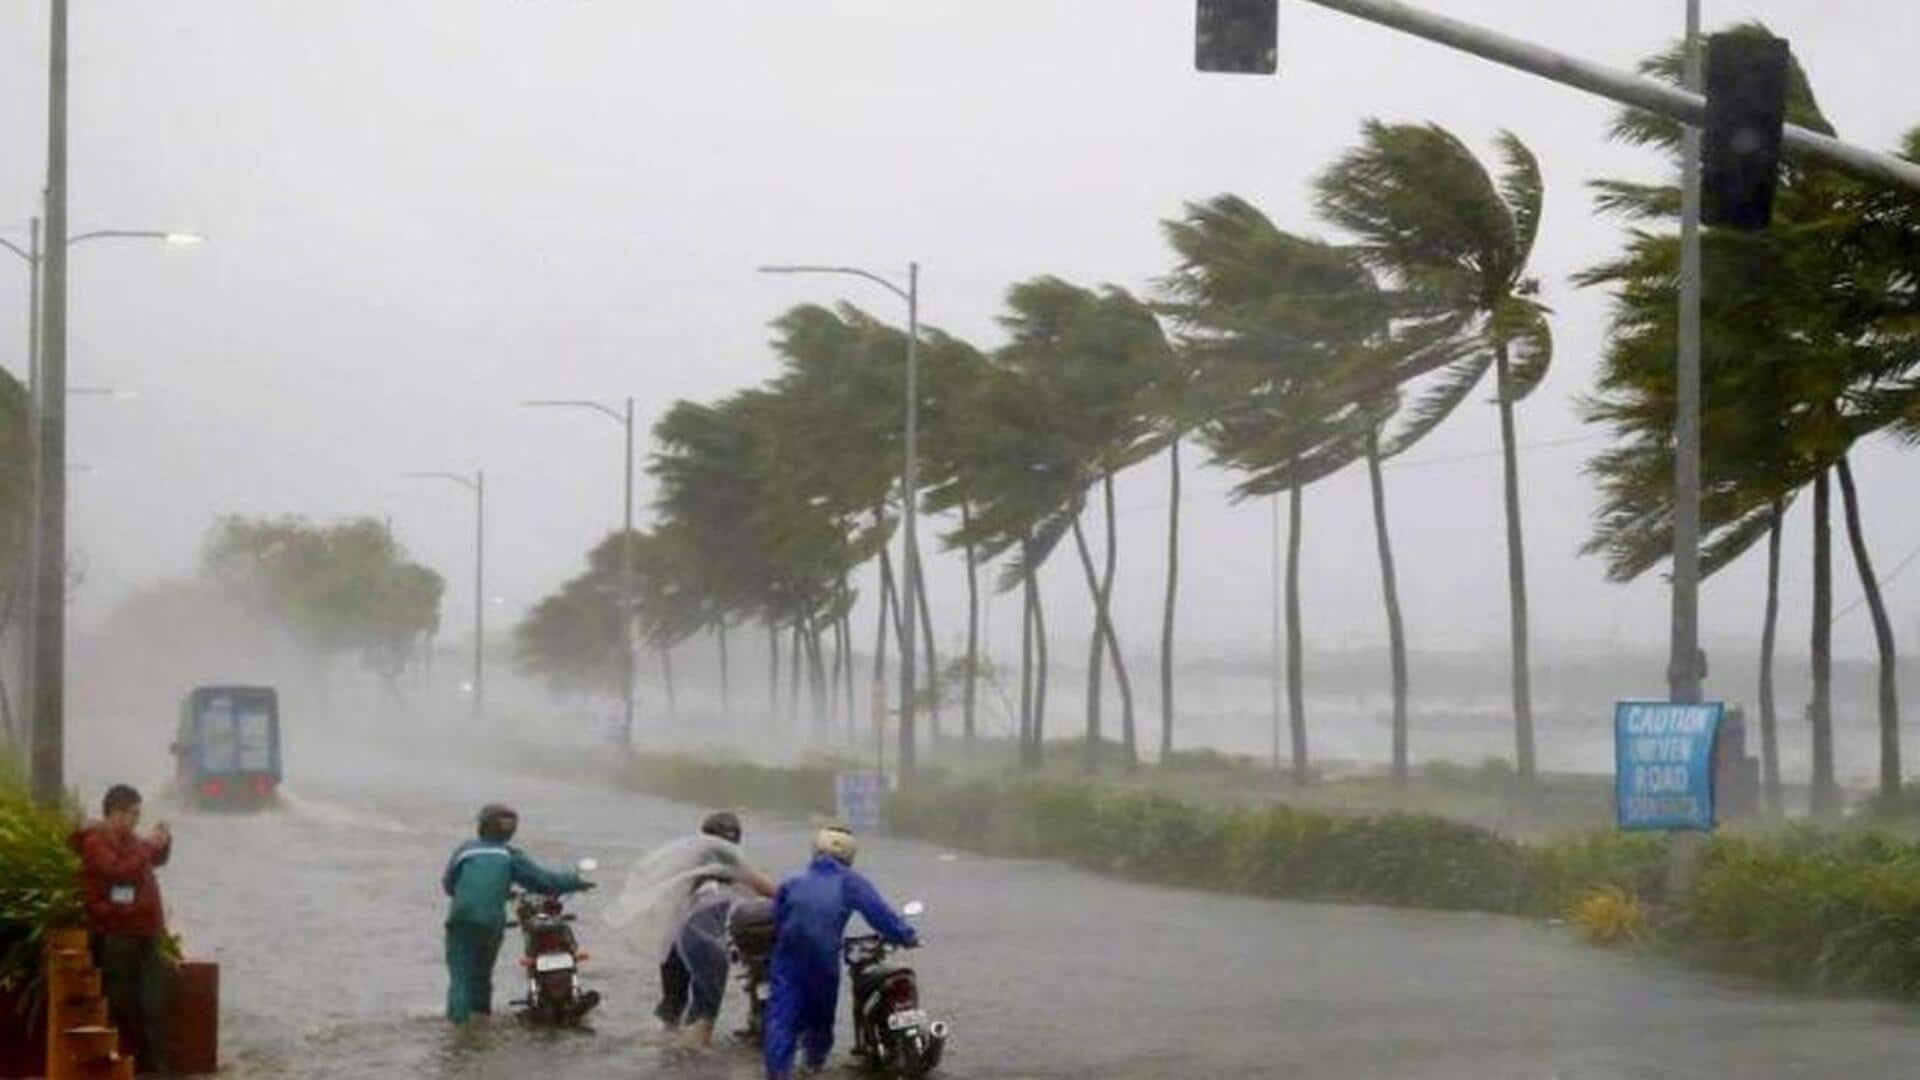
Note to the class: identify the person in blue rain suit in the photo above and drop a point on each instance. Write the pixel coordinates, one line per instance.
(477, 880)
(810, 915)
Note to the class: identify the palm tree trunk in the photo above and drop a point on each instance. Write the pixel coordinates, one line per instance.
(1296, 690)
(1096, 649)
(1769, 714)
(1390, 592)
(1129, 736)
(773, 672)
(1882, 636)
(1040, 676)
(1173, 592)
(817, 677)
(846, 635)
(968, 698)
(726, 679)
(834, 671)
(878, 691)
(927, 649)
(793, 676)
(1516, 580)
(1826, 791)
(666, 674)
(1026, 656)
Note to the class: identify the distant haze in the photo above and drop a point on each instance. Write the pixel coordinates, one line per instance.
(420, 212)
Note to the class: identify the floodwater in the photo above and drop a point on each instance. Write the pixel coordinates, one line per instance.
(325, 918)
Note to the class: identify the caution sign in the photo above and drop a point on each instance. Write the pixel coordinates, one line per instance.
(1663, 764)
(858, 796)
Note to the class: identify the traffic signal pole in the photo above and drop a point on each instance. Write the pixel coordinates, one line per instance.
(1686, 105)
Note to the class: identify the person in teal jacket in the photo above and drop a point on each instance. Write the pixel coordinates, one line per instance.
(477, 879)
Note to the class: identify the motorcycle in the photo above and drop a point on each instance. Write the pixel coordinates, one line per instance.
(750, 945)
(551, 957)
(891, 1032)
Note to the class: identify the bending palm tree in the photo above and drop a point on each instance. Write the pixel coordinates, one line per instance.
(1427, 213)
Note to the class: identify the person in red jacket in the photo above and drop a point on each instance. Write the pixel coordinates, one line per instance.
(124, 913)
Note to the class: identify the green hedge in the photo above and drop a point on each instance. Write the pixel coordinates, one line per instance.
(1836, 911)
(800, 790)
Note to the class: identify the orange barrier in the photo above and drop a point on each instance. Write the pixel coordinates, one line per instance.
(80, 1044)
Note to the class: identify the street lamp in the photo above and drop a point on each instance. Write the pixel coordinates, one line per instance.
(909, 481)
(477, 483)
(45, 637)
(625, 419)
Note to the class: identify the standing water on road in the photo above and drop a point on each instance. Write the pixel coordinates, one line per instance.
(326, 920)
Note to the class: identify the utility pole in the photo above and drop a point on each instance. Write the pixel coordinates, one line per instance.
(477, 485)
(627, 612)
(479, 594)
(48, 677)
(910, 481)
(909, 499)
(30, 570)
(1684, 676)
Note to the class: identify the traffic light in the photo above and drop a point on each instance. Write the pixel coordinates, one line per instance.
(1746, 107)
(1237, 36)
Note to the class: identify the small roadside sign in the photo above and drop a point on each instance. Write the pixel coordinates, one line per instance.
(1663, 764)
(857, 799)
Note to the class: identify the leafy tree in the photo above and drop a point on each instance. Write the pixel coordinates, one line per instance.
(340, 589)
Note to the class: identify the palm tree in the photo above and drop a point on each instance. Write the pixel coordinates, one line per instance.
(1808, 348)
(1099, 353)
(1427, 213)
(1296, 356)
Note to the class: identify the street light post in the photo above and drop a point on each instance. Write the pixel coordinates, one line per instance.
(1684, 676)
(910, 483)
(45, 500)
(477, 484)
(623, 417)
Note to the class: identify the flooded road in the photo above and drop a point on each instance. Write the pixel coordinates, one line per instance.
(326, 921)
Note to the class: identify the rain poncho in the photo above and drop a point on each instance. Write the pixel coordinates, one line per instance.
(664, 888)
(810, 915)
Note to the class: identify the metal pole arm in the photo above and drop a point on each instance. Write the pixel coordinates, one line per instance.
(32, 260)
(596, 406)
(464, 481)
(853, 271)
(1626, 88)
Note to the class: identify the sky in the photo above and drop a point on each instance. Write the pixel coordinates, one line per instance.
(421, 212)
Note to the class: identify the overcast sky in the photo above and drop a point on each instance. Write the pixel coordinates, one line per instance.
(420, 212)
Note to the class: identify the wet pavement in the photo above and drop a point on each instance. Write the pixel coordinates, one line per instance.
(325, 918)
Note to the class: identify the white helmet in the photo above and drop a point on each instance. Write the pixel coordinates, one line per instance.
(836, 840)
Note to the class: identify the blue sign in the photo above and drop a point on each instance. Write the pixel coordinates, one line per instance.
(857, 796)
(1663, 764)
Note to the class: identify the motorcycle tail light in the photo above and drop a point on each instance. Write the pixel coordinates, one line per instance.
(213, 789)
(900, 992)
(581, 958)
(527, 962)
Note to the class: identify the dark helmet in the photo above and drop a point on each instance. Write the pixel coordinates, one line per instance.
(498, 822)
(724, 824)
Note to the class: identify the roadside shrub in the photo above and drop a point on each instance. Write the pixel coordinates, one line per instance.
(800, 790)
(1827, 911)
(1568, 868)
(39, 884)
